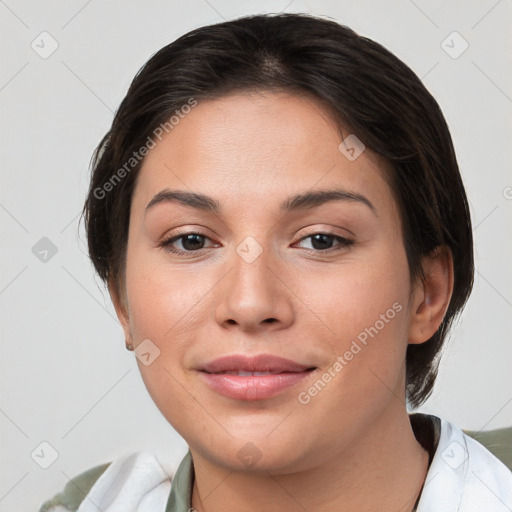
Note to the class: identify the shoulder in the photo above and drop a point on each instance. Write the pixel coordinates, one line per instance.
(69, 499)
(488, 480)
(498, 442)
(128, 479)
(464, 475)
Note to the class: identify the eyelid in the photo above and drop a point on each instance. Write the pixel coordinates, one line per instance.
(327, 230)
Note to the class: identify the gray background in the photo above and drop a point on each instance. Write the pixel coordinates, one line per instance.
(66, 378)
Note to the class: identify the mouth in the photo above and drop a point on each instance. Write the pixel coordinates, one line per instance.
(243, 377)
(260, 364)
(243, 373)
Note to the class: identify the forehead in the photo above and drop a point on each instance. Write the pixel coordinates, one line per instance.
(257, 146)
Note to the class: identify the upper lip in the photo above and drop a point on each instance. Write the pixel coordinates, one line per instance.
(259, 363)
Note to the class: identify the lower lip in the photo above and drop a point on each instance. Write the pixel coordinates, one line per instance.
(255, 387)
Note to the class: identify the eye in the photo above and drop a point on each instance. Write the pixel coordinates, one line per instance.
(324, 242)
(190, 243)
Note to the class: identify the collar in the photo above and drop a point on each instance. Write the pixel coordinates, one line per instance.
(464, 476)
(180, 498)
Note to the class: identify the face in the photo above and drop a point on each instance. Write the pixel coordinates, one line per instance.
(321, 281)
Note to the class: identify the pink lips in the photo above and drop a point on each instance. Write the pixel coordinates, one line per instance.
(221, 375)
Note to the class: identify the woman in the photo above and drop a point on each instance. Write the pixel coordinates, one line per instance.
(279, 216)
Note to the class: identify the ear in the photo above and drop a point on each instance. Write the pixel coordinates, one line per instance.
(431, 296)
(120, 305)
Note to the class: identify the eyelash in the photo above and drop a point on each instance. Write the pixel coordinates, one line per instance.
(167, 244)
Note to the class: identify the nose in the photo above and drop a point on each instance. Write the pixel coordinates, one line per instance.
(254, 296)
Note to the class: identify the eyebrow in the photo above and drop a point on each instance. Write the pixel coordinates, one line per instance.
(303, 201)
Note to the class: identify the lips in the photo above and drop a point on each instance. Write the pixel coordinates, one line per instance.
(242, 377)
(264, 364)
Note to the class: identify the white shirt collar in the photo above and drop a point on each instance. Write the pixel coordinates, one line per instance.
(465, 477)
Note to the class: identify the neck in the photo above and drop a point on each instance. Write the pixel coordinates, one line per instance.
(382, 470)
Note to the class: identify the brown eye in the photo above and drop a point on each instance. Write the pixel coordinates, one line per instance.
(190, 242)
(325, 241)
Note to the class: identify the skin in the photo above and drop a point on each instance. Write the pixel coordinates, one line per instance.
(351, 447)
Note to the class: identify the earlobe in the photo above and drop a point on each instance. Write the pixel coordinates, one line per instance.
(432, 295)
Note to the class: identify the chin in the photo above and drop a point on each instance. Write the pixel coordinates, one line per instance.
(255, 451)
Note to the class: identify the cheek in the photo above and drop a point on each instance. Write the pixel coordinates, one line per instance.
(362, 311)
(167, 308)
(162, 302)
(348, 300)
